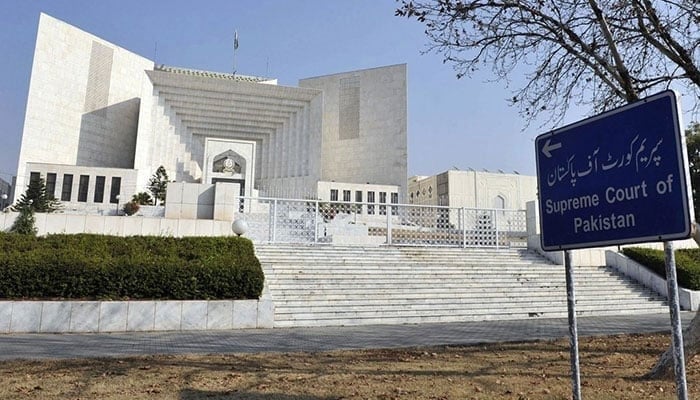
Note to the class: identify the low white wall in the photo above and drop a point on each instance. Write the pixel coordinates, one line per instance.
(121, 225)
(131, 316)
(688, 299)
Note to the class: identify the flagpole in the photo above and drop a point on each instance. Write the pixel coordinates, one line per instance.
(235, 47)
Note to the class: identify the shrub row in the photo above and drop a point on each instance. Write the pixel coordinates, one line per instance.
(88, 266)
(687, 264)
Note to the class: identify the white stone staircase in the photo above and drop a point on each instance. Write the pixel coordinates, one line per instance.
(326, 286)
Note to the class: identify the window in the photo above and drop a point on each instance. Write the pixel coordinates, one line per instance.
(358, 199)
(358, 196)
(67, 187)
(499, 202)
(34, 176)
(114, 191)
(394, 200)
(370, 199)
(346, 195)
(99, 189)
(51, 184)
(83, 188)
(382, 199)
(334, 194)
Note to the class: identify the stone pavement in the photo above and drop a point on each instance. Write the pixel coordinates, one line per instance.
(47, 346)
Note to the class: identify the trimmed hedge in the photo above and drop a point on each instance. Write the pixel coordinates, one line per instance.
(687, 264)
(86, 266)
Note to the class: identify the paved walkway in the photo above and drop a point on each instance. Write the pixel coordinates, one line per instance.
(46, 346)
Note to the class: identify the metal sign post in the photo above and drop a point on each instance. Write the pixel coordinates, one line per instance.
(677, 329)
(573, 328)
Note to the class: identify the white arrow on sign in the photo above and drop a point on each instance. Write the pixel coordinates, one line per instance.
(548, 147)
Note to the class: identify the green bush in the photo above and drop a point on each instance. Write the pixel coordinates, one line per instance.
(88, 266)
(131, 208)
(687, 264)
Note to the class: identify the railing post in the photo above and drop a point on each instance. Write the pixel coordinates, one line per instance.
(388, 224)
(463, 226)
(274, 221)
(495, 224)
(316, 221)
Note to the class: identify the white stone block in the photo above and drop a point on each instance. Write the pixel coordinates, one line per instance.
(188, 211)
(113, 316)
(245, 314)
(150, 226)
(55, 316)
(5, 315)
(141, 316)
(174, 193)
(55, 223)
(168, 227)
(26, 316)
(132, 226)
(194, 315)
(95, 224)
(266, 313)
(203, 227)
(168, 315)
(186, 227)
(222, 228)
(190, 194)
(84, 316)
(75, 224)
(40, 223)
(114, 226)
(173, 211)
(220, 315)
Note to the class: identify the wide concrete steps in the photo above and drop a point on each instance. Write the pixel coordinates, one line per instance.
(324, 286)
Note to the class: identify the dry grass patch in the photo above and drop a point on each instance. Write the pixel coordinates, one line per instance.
(611, 367)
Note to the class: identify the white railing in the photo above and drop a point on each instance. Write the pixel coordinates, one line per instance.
(313, 221)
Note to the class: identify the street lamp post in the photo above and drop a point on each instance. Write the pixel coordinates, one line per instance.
(117, 210)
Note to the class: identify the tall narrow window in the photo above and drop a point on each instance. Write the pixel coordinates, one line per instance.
(382, 199)
(370, 199)
(83, 188)
(114, 191)
(34, 176)
(67, 187)
(51, 184)
(394, 200)
(334, 194)
(358, 199)
(346, 195)
(99, 189)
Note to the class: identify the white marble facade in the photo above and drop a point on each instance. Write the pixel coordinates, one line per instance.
(473, 189)
(93, 104)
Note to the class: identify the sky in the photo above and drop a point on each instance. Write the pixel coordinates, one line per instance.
(452, 123)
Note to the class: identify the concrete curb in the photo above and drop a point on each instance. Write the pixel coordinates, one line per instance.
(134, 316)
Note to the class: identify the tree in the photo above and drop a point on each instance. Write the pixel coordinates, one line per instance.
(158, 185)
(24, 224)
(142, 198)
(595, 53)
(592, 53)
(692, 138)
(36, 198)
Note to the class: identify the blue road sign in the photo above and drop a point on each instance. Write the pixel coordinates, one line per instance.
(619, 177)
